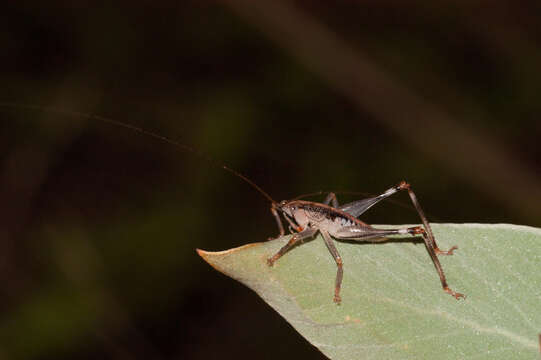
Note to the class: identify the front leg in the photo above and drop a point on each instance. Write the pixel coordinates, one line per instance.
(278, 223)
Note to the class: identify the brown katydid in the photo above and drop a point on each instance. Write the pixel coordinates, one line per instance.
(307, 218)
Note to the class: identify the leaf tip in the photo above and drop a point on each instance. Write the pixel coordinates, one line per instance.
(201, 253)
(205, 255)
(216, 258)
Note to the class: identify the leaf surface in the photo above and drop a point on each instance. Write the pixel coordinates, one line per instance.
(393, 306)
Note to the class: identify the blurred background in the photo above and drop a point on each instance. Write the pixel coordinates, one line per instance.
(100, 224)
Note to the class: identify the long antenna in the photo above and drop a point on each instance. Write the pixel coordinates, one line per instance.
(140, 131)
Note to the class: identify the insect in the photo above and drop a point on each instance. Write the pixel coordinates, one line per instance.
(306, 219)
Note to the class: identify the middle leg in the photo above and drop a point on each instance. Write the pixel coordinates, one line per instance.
(306, 233)
(339, 272)
(331, 199)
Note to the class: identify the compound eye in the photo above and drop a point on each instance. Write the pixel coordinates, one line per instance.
(283, 203)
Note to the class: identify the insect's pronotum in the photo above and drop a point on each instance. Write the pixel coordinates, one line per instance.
(307, 218)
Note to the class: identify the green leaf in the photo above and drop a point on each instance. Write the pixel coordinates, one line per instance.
(393, 306)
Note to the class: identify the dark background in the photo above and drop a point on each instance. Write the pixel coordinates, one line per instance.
(100, 224)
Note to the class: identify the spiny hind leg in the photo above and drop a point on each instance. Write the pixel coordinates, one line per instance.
(429, 240)
(432, 252)
(372, 234)
(446, 252)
